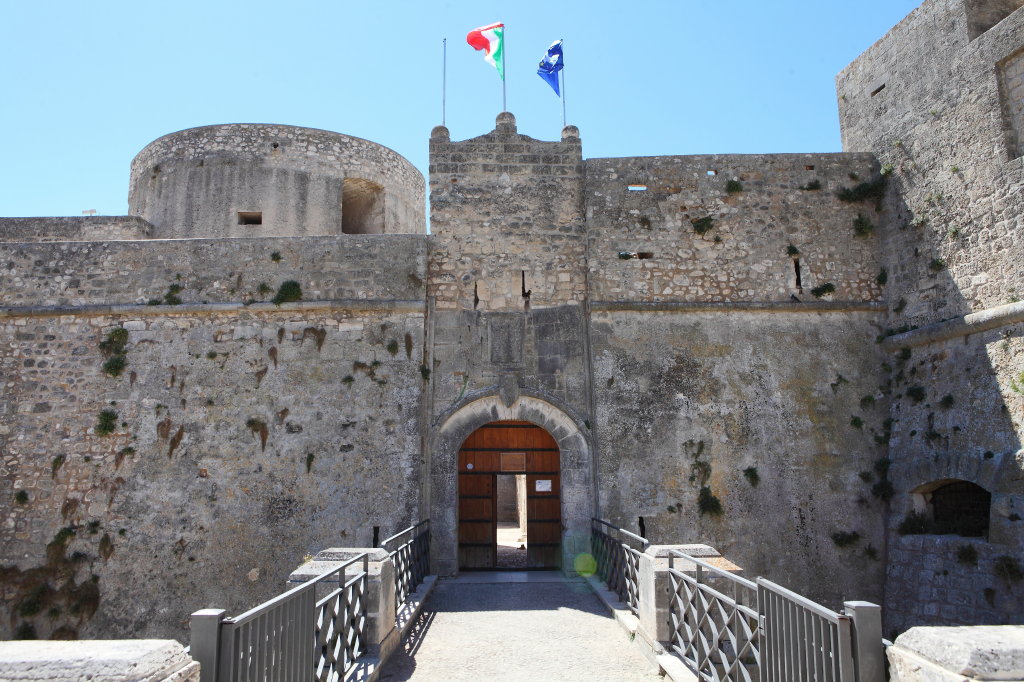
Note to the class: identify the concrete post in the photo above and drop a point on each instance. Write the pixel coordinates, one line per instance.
(655, 588)
(868, 652)
(381, 633)
(204, 642)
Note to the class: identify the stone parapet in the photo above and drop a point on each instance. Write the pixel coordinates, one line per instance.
(958, 654)
(125, 660)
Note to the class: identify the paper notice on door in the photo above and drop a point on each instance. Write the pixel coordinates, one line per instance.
(543, 486)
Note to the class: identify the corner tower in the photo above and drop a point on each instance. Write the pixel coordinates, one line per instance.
(258, 180)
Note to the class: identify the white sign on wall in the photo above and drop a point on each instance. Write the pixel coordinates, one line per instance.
(543, 486)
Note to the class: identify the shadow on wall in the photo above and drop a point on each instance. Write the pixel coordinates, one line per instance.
(954, 471)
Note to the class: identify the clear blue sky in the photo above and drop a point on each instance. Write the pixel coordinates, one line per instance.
(87, 84)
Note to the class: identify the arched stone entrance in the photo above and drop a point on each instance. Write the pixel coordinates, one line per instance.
(575, 467)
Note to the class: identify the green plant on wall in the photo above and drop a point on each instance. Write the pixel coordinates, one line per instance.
(824, 289)
(1008, 569)
(753, 478)
(873, 190)
(113, 349)
(862, 225)
(703, 225)
(707, 503)
(289, 291)
(845, 538)
(967, 554)
(106, 423)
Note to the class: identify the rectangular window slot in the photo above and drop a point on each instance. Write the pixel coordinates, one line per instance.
(796, 270)
(644, 255)
(878, 89)
(250, 217)
(712, 172)
(636, 188)
(808, 167)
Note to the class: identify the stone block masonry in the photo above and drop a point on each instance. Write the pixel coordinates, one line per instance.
(938, 101)
(195, 183)
(236, 443)
(731, 228)
(212, 271)
(724, 347)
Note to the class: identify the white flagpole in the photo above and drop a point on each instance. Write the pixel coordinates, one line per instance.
(562, 72)
(444, 76)
(504, 46)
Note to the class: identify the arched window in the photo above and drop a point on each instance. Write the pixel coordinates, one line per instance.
(962, 508)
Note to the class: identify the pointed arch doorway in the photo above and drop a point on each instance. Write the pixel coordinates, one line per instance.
(578, 492)
(493, 456)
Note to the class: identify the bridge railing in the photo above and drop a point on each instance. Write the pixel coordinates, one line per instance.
(409, 550)
(294, 636)
(714, 619)
(726, 627)
(617, 554)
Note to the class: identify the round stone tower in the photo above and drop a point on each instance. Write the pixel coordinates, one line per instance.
(259, 180)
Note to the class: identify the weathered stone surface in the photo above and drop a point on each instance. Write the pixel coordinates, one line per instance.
(941, 654)
(700, 335)
(131, 660)
(938, 100)
(194, 183)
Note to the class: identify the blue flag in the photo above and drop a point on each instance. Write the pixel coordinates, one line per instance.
(551, 65)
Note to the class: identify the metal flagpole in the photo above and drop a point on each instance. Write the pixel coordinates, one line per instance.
(504, 46)
(444, 75)
(562, 73)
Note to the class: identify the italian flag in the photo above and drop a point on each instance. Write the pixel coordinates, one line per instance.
(490, 39)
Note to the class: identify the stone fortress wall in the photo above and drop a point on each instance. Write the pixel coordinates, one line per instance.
(938, 101)
(647, 310)
(217, 181)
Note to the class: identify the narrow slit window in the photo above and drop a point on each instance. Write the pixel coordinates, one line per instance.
(796, 271)
(878, 89)
(644, 255)
(250, 217)
(808, 167)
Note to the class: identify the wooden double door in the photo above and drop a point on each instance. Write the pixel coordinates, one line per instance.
(509, 448)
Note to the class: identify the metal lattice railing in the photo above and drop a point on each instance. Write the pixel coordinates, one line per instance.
(803, 640)
(714, 620)
(617, 553)
(294, 634)
(411, 558)
(729, 628)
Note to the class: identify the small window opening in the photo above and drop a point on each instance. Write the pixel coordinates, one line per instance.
(645, 222)
(808, 167)
(526, 292)
(275, 145)
(796, 271)
(643, 527)
(476, 299)
(712, 172)
(250, 217)
(376, 536)
(636, 188)
(362, 207)
(962, 508)
(644, 255)
(878, 89)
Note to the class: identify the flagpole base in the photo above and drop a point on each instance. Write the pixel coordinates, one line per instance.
(505, 123)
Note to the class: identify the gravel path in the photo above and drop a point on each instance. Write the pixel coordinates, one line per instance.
(528, 626)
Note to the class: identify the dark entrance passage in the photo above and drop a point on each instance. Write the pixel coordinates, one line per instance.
(500, 452)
